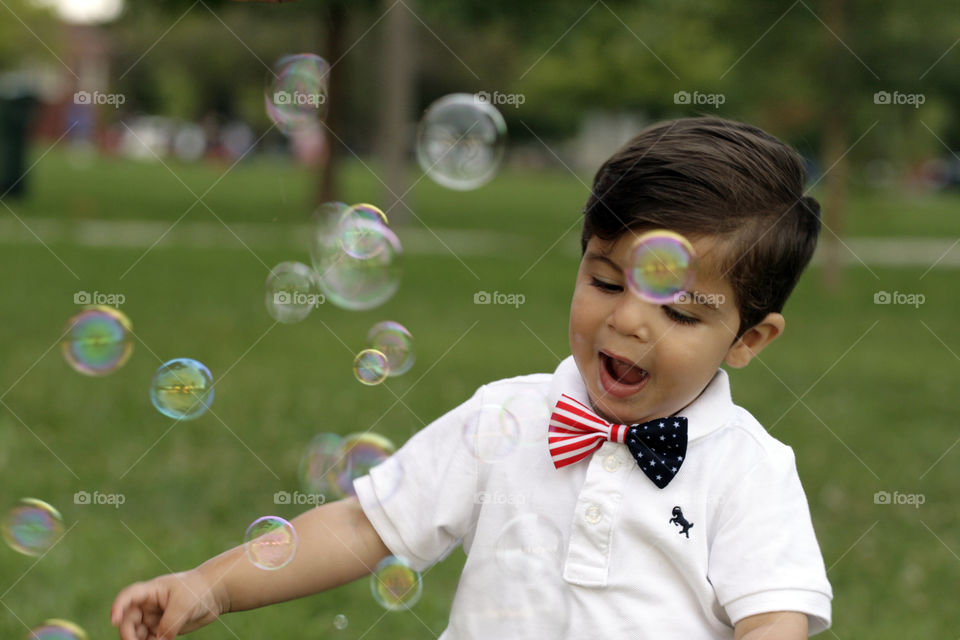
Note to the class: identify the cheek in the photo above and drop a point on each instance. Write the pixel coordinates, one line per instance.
(583, 321)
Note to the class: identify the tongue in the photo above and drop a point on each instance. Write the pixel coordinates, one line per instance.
(625, 373)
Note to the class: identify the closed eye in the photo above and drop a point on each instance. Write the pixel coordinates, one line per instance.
(607, 287)
(679, 317)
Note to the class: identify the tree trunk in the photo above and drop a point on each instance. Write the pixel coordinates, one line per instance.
(834, 148)
(397, 77)
(333, 16)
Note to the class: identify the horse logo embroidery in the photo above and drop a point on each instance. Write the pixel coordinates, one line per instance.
(681, 522)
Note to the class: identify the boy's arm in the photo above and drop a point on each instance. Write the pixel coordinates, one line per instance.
(775, 625)
(337, 544)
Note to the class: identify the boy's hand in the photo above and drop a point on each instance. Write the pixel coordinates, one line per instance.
(162, 608)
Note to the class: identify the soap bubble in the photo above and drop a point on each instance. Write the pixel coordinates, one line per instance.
(395, 584)
(55, 629)
(491, 433)
(356, 283)
(97, 341)
(320, 465)
(371, 367)
(290, 292)
(662, 264)
(360, 231)
(460, 141)
(297, 93)
(182, 388)
(361, 452)
(271, 542)
(32, 527)
(394, 341)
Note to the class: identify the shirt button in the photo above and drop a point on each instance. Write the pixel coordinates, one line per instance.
(593, 514)
(611, 463)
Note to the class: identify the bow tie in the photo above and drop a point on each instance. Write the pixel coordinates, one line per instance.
(658, 446)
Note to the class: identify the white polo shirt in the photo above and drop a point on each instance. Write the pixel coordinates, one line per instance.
(595, 549)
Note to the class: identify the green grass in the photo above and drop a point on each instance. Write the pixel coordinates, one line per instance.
(877, 417)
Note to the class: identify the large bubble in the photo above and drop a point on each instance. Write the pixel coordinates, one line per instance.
(348, 281)
(271, 542)
(290, 293)
(394, 341)
(182, 388)
(395, 584)
(97, 341)
(662, 264)
(460, 141)
(32, 527)
(297, 94)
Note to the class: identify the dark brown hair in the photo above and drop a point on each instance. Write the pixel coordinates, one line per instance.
(714, 177)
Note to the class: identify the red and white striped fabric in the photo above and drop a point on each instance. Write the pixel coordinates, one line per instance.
(576, 432)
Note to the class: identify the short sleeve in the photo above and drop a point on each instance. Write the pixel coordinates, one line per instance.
(764, 555)
(422, 500)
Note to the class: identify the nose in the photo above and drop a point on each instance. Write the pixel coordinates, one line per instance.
(632, 317)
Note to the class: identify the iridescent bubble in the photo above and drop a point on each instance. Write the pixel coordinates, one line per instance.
(297, 93)
(394, 341)
(55, 629)
(491, 433)
(325, 225)
(395, 584)
(662, 264)
(357, 283)
(460, 141)
(97, 341)
(271, 542)
(371, 367)
(361, 452)
(530, 537)
(320, 465)
(360, 231)
(291, 292)
(340, 622)
(182, 388)
(32, 527)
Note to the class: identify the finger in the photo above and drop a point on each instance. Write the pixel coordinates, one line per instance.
(139, 593)
(128, 624)
(172, 621)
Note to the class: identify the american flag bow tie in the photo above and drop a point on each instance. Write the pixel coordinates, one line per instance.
(658, 446)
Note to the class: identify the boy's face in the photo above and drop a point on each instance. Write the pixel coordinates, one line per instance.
(674, 348)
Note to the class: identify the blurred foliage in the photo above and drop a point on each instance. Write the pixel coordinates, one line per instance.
(28, 35)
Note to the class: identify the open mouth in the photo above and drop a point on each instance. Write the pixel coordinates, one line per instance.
(619, 377)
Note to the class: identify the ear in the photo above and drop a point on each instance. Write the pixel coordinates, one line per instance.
(754, 340)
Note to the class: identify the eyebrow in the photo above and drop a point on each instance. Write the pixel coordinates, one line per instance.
(593, 256)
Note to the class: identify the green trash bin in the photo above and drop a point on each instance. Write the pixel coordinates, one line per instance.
(16, 111)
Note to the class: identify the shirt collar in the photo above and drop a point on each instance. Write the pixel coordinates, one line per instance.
(710, 410)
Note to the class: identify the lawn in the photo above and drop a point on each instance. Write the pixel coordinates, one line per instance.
(860, 391)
